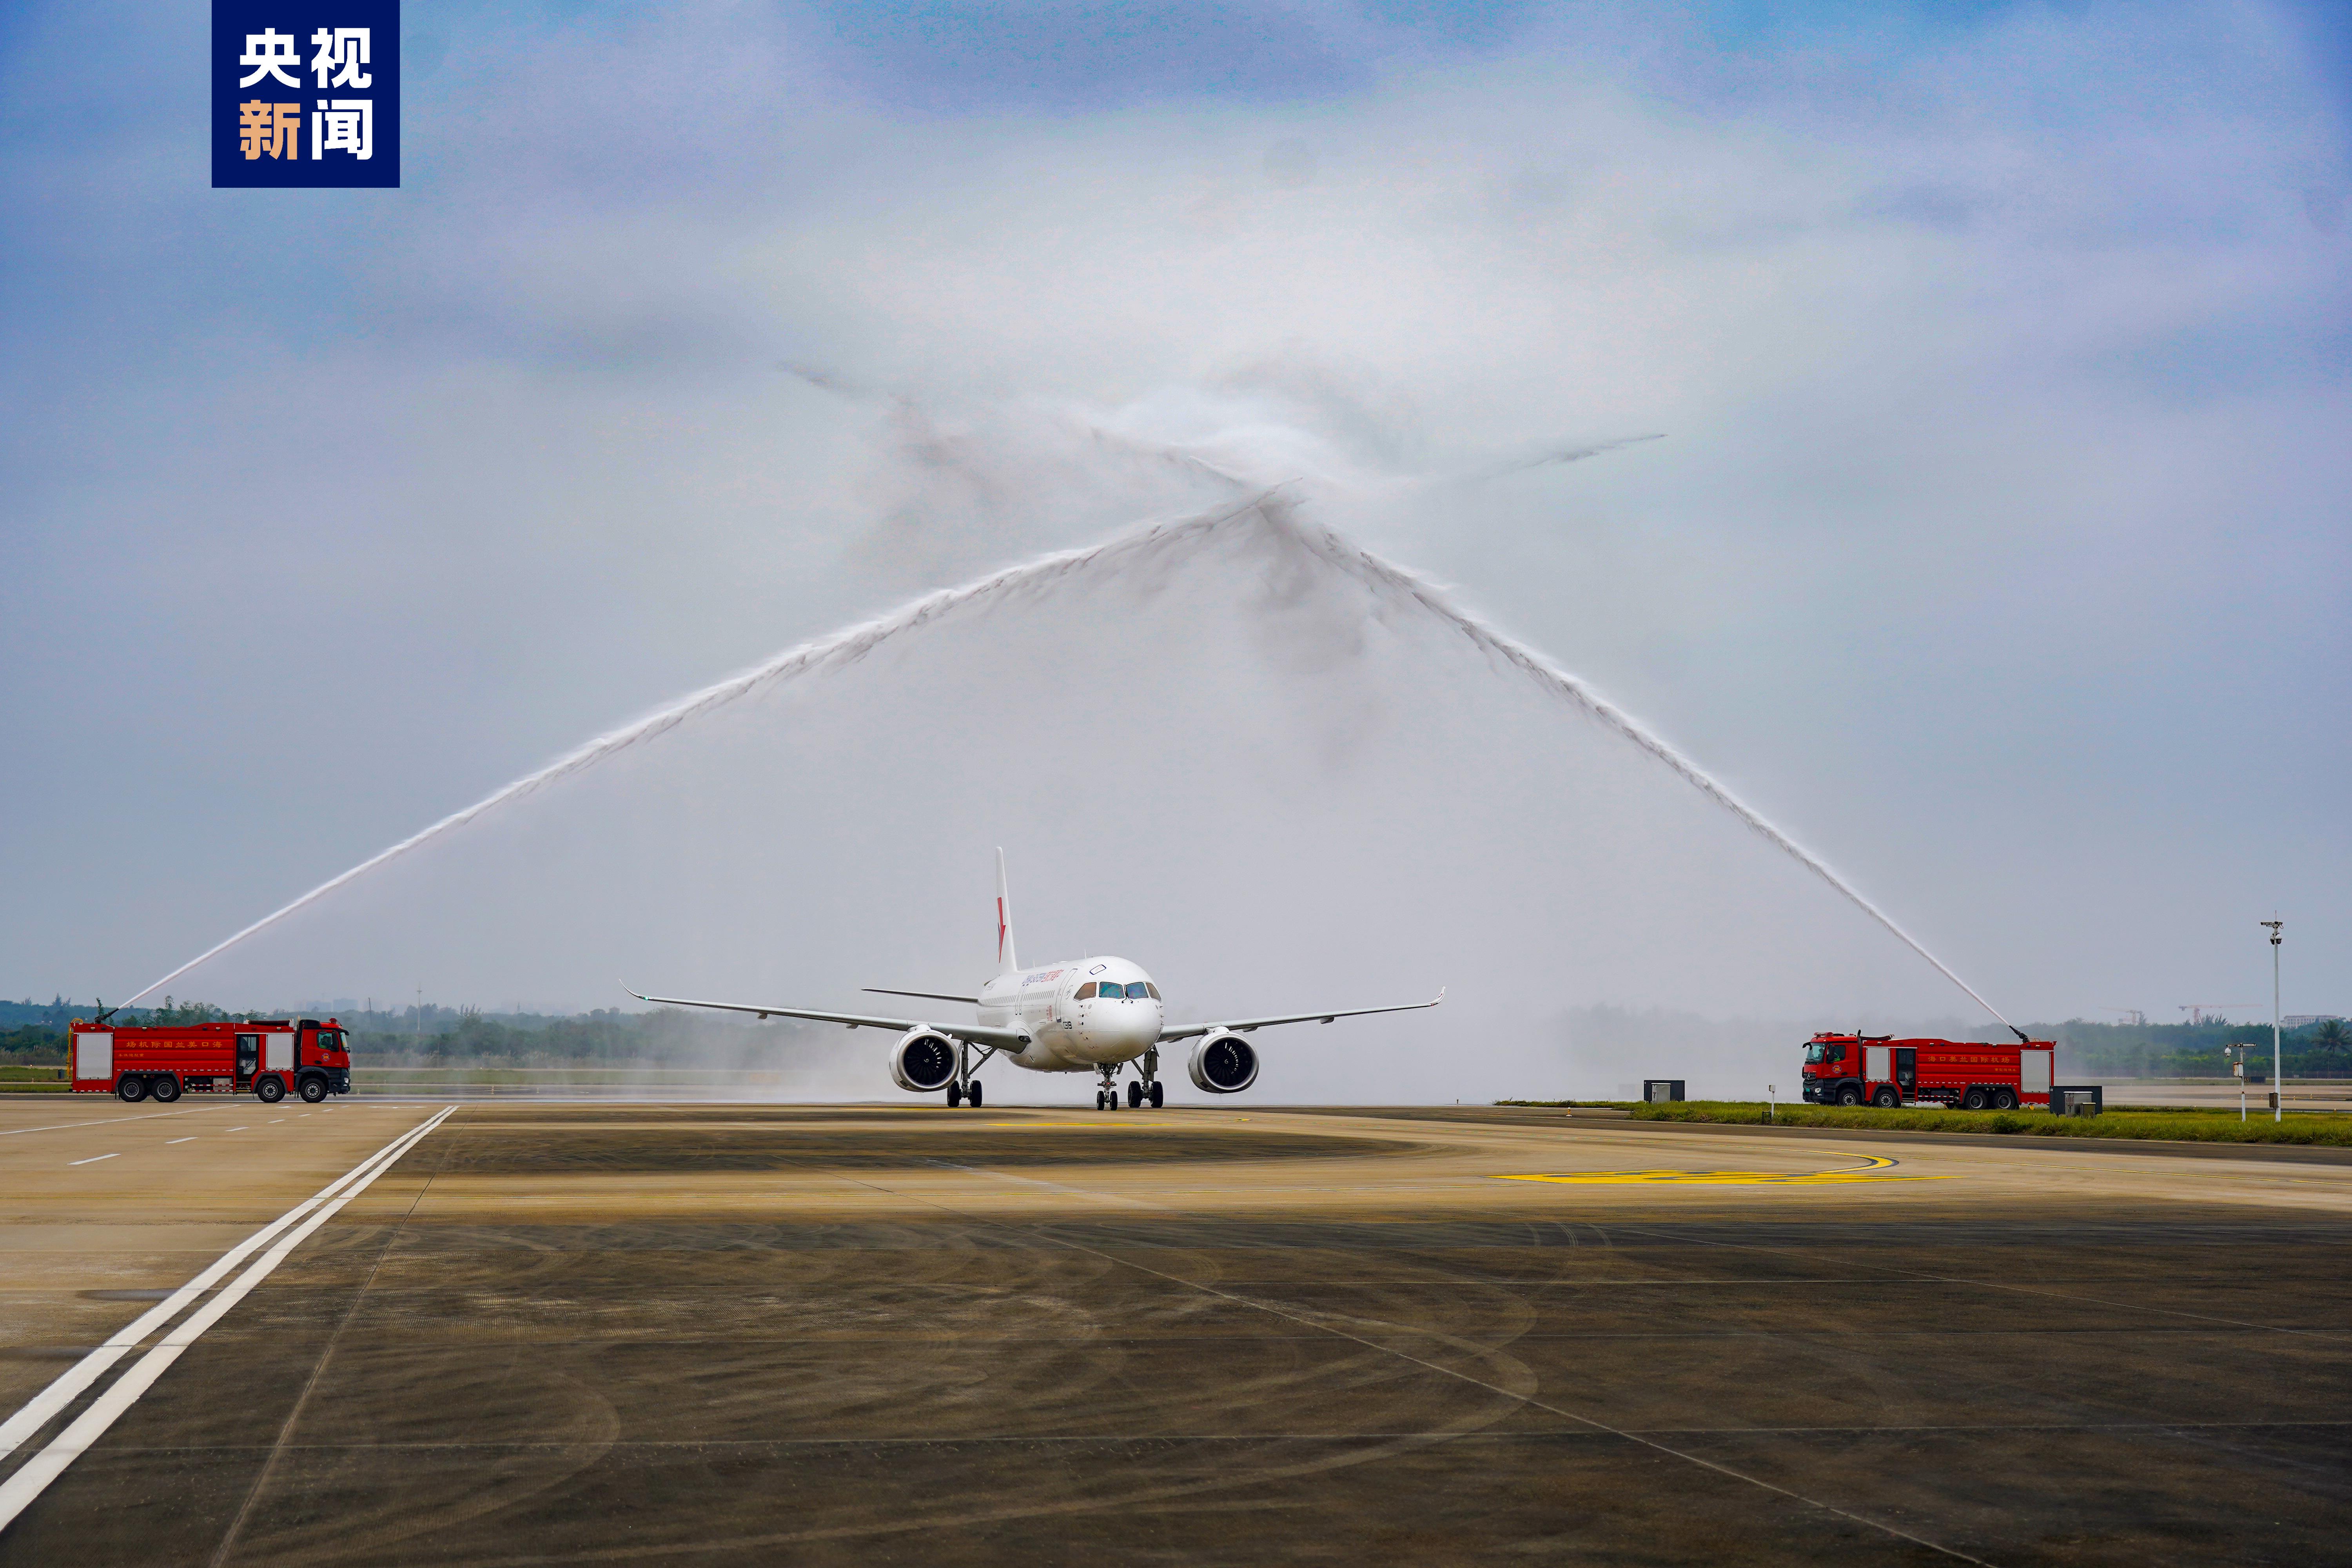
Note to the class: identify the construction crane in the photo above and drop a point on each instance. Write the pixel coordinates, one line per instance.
(2211, 1012)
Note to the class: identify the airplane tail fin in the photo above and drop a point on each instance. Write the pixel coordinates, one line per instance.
(1007, 963)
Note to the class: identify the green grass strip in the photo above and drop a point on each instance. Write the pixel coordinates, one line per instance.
(2215, 1126)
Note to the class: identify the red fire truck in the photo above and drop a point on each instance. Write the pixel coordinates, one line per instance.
(1879, 1069)
(269, 1057)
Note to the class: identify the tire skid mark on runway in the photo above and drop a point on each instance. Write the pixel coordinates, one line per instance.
(269, 1465)
(1890, 1272)
(1529, 1398)
(1507, 1399)
(1052, 1186)
(38, 1411)
(965, 1516)
(495, 1489)
(1088, 1440)
(293, 1227)
(1596, 1424)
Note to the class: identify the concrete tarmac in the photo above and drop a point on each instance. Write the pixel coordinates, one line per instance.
(558, 1333)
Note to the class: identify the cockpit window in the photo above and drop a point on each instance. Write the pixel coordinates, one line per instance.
(1150, 990)
(1086, 992)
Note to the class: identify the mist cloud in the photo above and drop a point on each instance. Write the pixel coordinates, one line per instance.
(1995, 547)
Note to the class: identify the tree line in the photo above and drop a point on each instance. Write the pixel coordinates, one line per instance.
(434, 1035)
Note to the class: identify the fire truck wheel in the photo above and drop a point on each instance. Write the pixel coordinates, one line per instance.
(164, 1089)
(2003, 1100)
(271, 1088)
(313, 1090)
(1885, 1098)
(1850, 1095)
(132, 1089)
(1973, 1100)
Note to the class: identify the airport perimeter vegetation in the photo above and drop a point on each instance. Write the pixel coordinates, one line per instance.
(2199, 1125)
(650, 1055)
(34, 1034)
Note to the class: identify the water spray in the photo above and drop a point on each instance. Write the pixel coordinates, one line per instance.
(1270, 510)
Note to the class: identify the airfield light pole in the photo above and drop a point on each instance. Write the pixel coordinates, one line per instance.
(2278, 1084)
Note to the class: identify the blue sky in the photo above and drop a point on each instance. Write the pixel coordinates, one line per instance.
(1997, 542)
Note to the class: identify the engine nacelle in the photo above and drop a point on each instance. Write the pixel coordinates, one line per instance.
(922, 1061)
(1223, 1064)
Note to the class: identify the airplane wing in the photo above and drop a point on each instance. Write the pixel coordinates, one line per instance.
(979, 1034)
(1187, 1031)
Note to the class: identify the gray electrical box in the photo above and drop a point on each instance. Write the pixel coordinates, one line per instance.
(2077, 1099)
(1660, 1090)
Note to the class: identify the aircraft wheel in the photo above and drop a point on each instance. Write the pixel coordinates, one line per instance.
(975, 1094)
(1102, 1100)
(1134, 1097)
(1156, 1094)
(955, 1095)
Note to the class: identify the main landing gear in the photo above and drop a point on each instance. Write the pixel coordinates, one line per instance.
(957, 1091)
(1145, 1089)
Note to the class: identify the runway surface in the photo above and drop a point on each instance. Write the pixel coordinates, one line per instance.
(553, 1333)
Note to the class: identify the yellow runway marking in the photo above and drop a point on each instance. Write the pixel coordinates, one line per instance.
(1873, 1171)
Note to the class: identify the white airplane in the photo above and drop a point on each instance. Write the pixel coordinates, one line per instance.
(1085, 1014)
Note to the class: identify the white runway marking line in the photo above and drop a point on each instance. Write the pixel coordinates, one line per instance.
(94, 1159)
(190, 1139)
(103, 1121)
(44, 1466)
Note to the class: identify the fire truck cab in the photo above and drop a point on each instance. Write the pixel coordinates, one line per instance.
(1971, 1075)
(270, 1058)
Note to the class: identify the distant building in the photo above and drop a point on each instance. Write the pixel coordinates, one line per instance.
(2304, 1020)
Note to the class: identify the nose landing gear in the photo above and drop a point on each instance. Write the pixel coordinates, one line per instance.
(1145, 1089)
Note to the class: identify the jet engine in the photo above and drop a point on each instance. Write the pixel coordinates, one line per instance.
(922, 1061)
(1223, 1064)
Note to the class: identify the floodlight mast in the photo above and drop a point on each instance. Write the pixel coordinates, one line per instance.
(2278, 1084)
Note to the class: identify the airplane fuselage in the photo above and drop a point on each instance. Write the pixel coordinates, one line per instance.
(1073, 1024)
